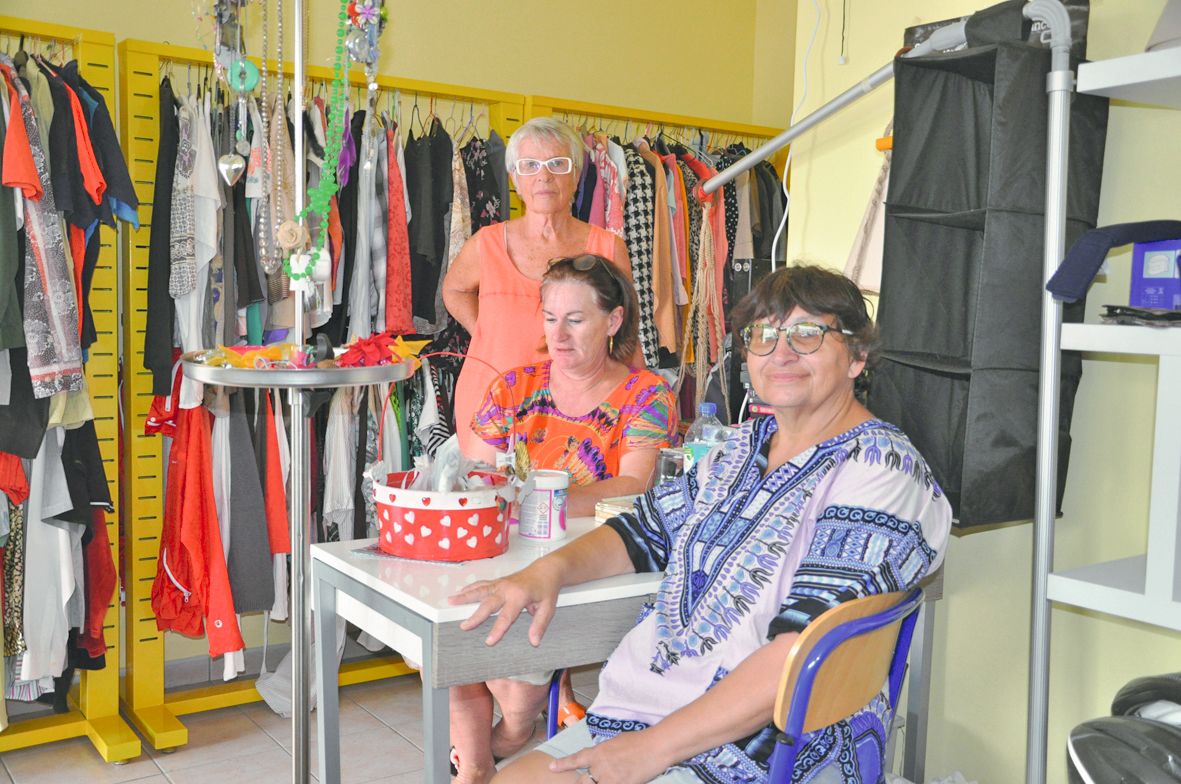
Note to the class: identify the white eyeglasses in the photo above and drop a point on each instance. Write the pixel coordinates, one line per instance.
(527, 167)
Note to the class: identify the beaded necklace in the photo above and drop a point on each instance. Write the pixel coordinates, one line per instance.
(299, 265)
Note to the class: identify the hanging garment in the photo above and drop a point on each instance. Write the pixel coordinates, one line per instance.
(78, 184)
(458, 232)
(584, 193)
(281, 314)
(609, 178)
(360, 303)
(160, 306)
(49, 574)
(196, 244)
(340, 450)
(508, 329)
(51, 306)
(663, 303)
(14, 581)
(12, 329)
(100, 588)
(399, 317)
(429, 180)
(249, 560)
(482, 185)
(41, 97)
(678, 225)
(24, 419)
(638, 228)
(348, 169)
(379, 227)
(274, 470)
(121, 201)
(192, 591)
(496, 165)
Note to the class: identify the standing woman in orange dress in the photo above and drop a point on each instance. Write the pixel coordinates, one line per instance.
(493, 287)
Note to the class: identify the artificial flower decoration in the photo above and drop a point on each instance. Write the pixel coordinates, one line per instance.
(383, 348)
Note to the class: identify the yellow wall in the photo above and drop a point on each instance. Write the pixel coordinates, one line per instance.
(694, 57)
(979, 684)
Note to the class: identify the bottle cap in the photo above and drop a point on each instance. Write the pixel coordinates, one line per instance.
(707, 409)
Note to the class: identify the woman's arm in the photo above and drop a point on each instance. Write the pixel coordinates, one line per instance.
(636, 469)
(461, 287)
(599, 553)
(739, 705)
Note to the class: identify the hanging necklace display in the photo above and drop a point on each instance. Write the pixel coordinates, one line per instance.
(268, 256)
(239, 74)
(308, 266)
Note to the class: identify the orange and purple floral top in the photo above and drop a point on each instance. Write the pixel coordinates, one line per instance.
(640, 413)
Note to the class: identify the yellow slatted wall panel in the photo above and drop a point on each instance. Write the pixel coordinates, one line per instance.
(97, 699)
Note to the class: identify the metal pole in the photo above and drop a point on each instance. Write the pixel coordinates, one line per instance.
(1059, 85)
(301, 622)
(947, 37)
(747, 162)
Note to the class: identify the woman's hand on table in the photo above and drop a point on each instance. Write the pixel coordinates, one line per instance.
(533, 589)
(628, 758)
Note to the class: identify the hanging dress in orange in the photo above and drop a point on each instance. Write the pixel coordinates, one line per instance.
(508, 328)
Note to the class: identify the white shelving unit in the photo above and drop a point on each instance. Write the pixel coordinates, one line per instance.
(1145, 588)
(1151, 78)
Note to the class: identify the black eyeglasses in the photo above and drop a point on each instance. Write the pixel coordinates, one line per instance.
(804, 337)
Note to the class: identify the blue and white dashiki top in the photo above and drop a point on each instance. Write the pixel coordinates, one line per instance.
(748, 556)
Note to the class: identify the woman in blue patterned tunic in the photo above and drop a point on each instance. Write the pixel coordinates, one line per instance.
(797, 512)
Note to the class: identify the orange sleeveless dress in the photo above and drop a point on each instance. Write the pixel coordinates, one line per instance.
(508, 328)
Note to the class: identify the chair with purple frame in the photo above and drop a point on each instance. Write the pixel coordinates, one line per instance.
(837, 665)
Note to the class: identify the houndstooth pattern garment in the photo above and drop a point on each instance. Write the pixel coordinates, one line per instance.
(638, 229)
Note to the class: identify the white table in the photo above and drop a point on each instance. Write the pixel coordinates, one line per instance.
(404, 604)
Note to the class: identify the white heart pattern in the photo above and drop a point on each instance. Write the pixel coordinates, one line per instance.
(471, 542)
(424, 532)
(397, 528)
(487, 530)
(409, 517)
(445, 543)
(473, 520)
(461, 532)
(445, 521)
(409, 538)
(498, 537)
(389, 537)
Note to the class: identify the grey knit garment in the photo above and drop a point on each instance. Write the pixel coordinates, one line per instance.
(249, 562)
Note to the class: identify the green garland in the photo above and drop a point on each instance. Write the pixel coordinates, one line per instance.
(320, 197)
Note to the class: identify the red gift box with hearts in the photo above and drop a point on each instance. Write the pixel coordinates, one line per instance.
(423, 525)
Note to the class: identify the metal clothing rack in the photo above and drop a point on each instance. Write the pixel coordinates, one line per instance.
(154, 712)
(97, 698)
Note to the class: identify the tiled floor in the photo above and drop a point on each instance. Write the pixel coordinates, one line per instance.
(381, 742)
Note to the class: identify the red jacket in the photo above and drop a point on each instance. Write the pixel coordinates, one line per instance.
(192, 584)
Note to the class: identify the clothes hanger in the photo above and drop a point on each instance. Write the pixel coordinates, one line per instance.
(415, 113)
(453, 128)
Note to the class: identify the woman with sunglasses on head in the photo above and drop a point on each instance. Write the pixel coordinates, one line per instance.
(493, 285)
(818, 504)
(586, 411)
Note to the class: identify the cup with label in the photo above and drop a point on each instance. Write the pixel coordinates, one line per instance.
(542, 500)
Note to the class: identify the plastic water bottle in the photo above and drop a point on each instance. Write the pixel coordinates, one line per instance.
(704, 433)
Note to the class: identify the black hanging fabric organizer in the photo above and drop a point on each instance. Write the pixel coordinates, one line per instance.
(961, 281)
